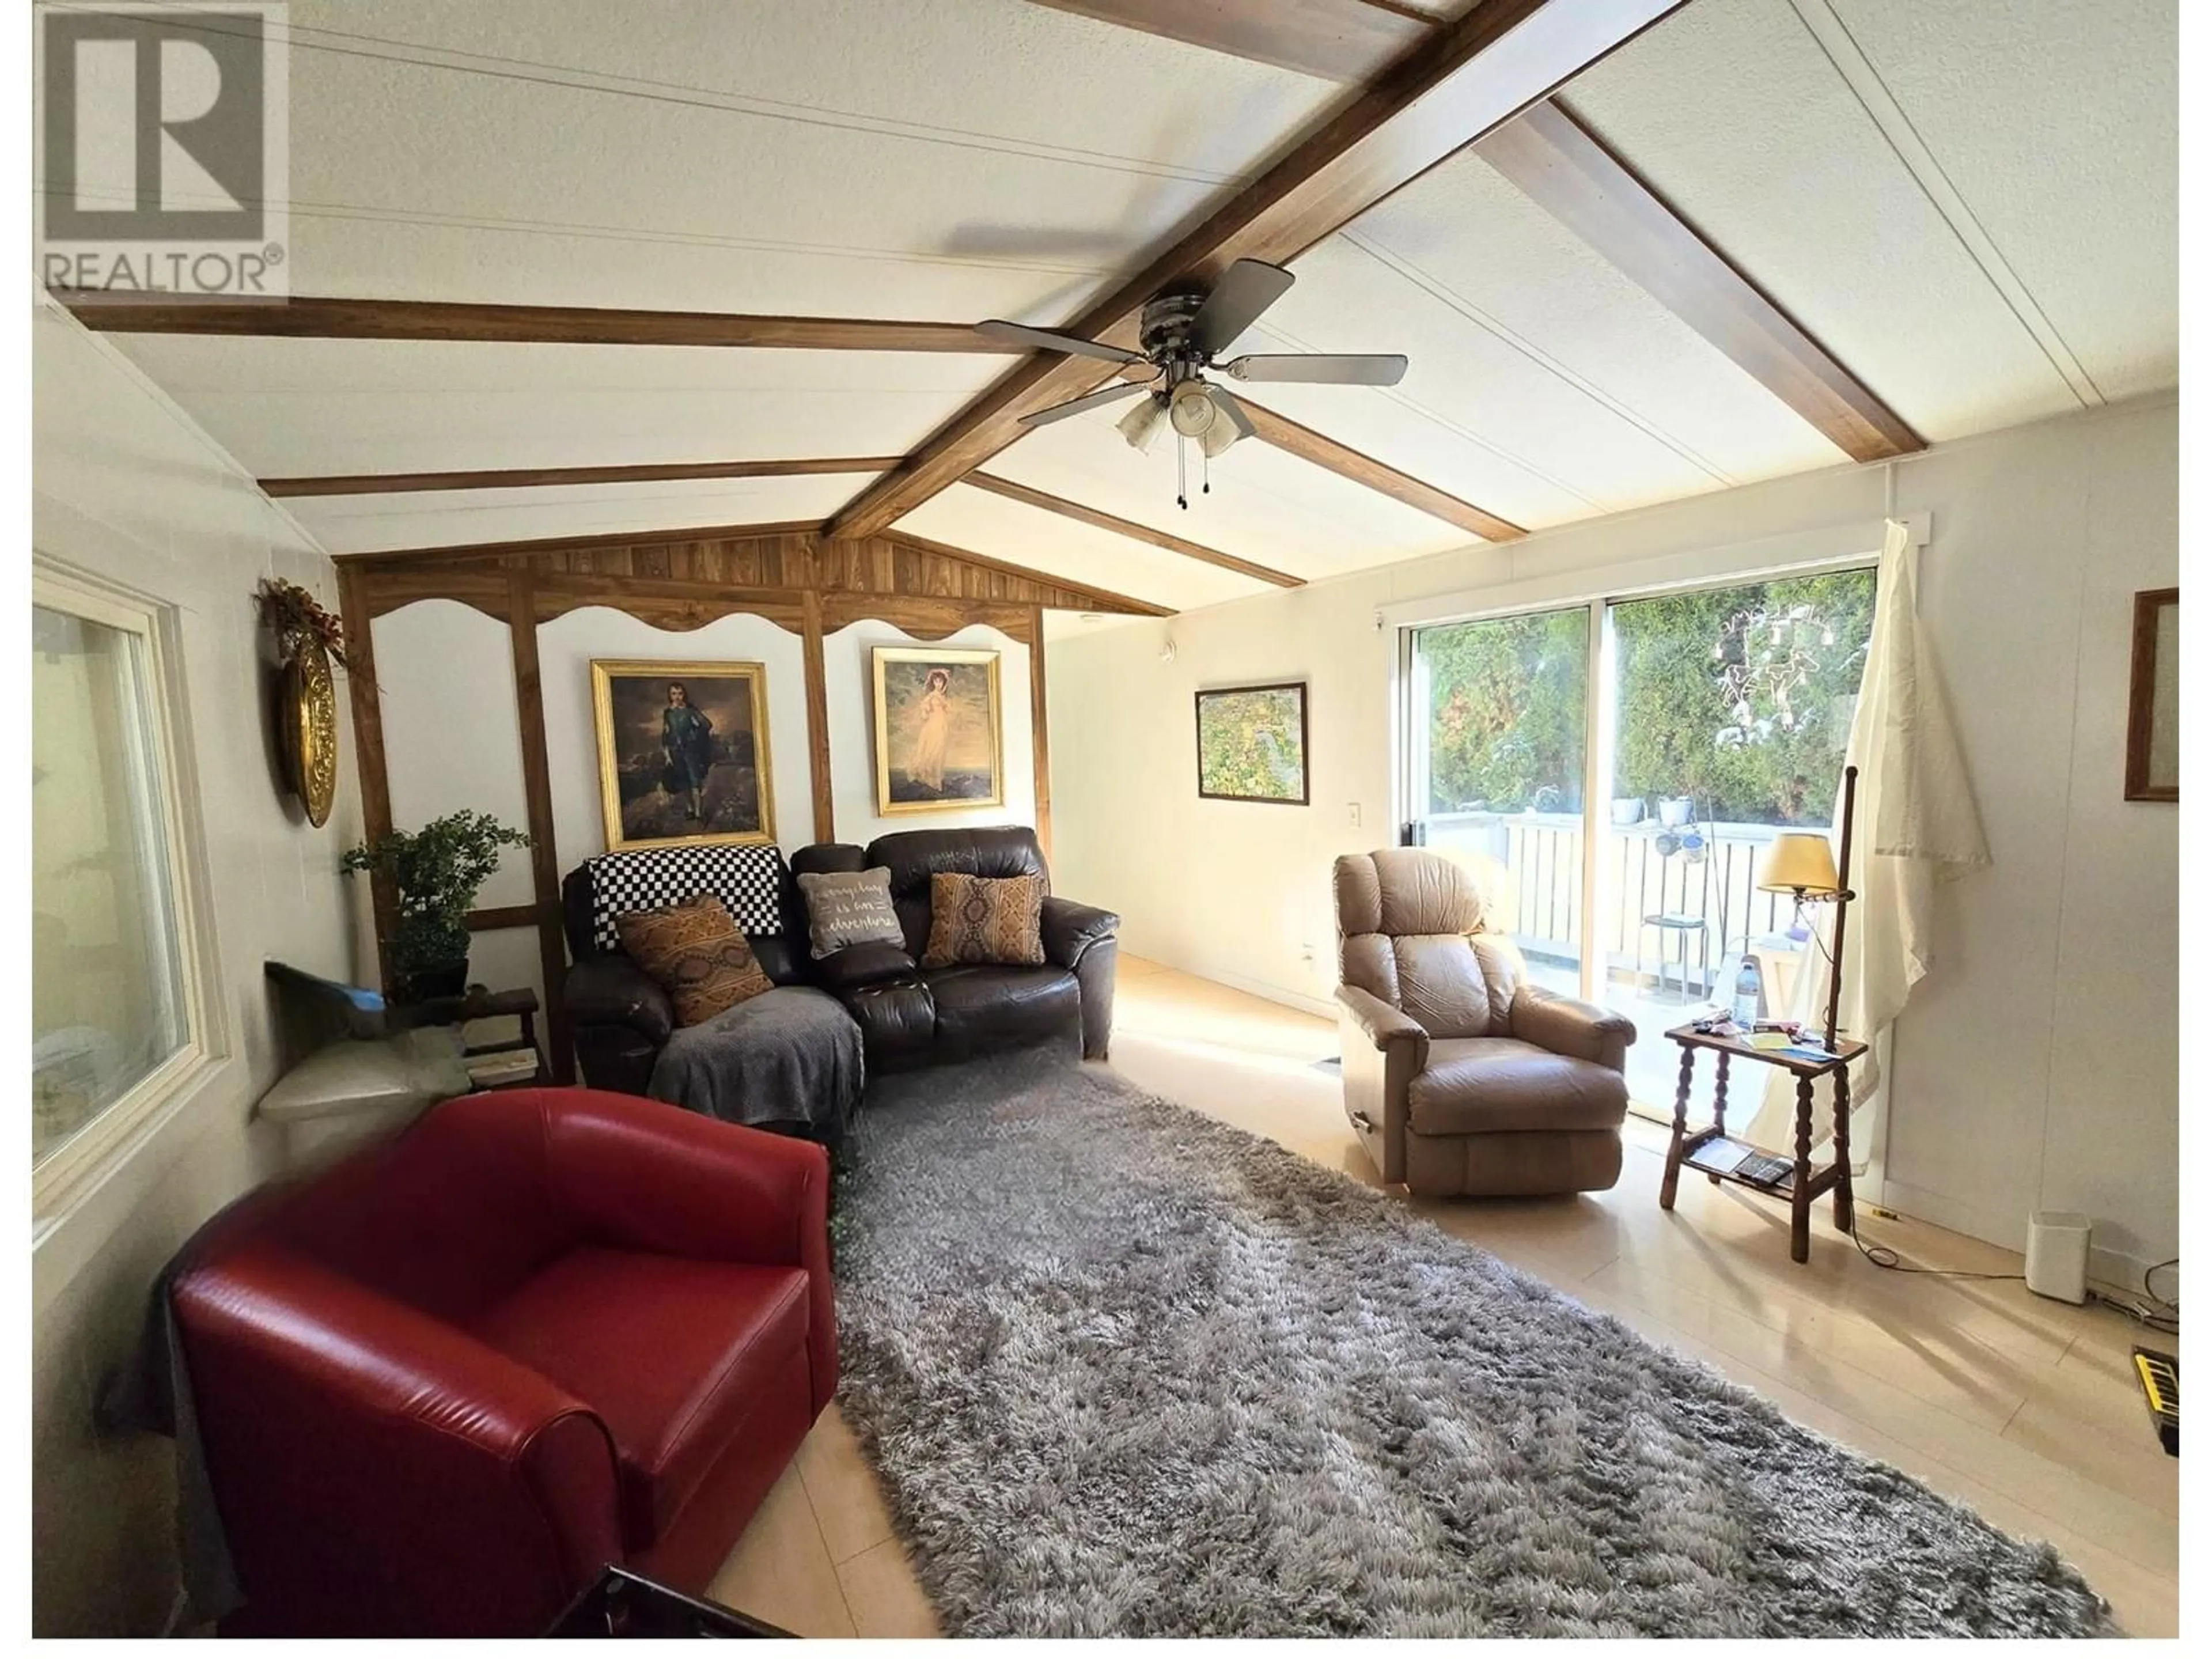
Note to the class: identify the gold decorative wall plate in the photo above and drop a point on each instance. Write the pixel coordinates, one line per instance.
(307, 720)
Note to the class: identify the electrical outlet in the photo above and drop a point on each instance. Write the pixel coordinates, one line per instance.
(1355, 815)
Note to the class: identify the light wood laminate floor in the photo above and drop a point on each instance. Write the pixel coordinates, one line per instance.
(2022, 1408)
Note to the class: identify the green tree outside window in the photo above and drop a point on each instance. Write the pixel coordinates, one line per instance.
(1740, 698)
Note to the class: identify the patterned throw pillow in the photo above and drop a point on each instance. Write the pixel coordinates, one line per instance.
(850, 908)
(975, 918)
(698, 956)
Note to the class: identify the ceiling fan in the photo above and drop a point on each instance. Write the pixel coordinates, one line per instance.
(1184, 327)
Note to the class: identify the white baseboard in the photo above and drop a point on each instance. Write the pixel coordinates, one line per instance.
(2120, 1269)
(1325, 1007)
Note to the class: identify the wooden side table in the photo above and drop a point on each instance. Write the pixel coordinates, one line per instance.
(503, 1061)
(1806, 1183)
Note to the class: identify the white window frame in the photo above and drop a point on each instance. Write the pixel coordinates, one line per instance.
(1804, 554)
(96, 1148)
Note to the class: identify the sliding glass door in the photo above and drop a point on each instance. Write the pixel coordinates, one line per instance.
(1499, 758)
(1728, 714)
(1615, 770)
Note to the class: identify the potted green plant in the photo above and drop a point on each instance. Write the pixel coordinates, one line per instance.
(435, 873)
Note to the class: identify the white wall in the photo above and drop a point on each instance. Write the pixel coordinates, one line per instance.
(445, 677)
(126, 487)
(847, 671)
(2036, 1068)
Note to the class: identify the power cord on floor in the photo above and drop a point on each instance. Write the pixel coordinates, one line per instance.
(2160, 1313)
(2154, 1310)
(2170, 1304)
(2150, 1317)
(1883, 1257)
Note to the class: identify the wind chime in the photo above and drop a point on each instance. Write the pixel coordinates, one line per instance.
(1766, 656)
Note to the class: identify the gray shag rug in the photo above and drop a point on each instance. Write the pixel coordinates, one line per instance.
(1129, 1371)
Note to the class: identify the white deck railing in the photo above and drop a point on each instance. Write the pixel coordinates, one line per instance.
(1542, 856)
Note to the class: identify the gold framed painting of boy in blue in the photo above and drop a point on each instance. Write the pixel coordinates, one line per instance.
(684, 754)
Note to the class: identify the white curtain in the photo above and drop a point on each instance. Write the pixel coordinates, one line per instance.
(1917, 826)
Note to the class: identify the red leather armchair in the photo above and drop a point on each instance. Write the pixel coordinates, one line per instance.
(441, 1385)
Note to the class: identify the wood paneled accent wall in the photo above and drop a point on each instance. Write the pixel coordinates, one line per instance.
(803, 582)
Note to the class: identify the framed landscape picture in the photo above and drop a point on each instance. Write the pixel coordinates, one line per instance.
(684, 757)
(1252, 744)
(937, 729)
(2154, 698)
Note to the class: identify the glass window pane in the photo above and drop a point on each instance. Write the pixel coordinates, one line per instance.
(1499, 741)
(107, 985)
(1730, 710)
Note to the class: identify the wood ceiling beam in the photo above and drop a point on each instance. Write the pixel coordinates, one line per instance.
(305, 317)
(1308, 445)
(1558, 164)
(1446, 91)
(1106, 598)
(1129, 527)
(1562, 167)
(388, 483)
(1285, 434)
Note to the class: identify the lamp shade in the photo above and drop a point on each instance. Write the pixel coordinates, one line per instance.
(1799, 861)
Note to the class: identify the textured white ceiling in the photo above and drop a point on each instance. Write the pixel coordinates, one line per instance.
(1070, 624)
(832, 157)
(1972, 205)
(1492, 410)
(290, 407)
(1736, 113)
(2058, 122)
(1621, 389)
(1025, 535)
(382, 524)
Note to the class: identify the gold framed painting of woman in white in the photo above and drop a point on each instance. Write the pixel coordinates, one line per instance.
(937, 729)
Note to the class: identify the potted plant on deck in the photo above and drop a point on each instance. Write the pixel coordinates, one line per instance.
(435, 873)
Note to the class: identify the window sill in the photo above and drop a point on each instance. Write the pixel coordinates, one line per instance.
(73, 1222)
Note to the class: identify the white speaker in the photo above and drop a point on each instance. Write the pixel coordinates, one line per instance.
(2058, 1255)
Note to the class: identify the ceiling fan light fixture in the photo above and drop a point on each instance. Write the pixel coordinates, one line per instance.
(1141, 425)
(1183, 330)
(1191, 410)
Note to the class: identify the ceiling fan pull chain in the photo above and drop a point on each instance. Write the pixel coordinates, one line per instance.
(1182, 498)
(1205, 470)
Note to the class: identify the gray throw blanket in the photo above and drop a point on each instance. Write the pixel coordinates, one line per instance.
(789, 1055)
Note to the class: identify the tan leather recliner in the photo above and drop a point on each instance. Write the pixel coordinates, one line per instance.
(1459, 1075)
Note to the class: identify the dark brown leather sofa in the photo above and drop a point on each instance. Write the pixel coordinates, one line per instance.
(908, 1015)
(912, 1015)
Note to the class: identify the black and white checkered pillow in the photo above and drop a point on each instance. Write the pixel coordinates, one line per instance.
(748, 880)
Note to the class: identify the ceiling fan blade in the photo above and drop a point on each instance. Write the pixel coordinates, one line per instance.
(1112, 393)
(1240, 425)
(1321, 369)
(1246, 288)
(1051, 340)
(1142, 424)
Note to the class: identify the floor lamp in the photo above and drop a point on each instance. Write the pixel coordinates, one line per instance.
(1798, 862)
